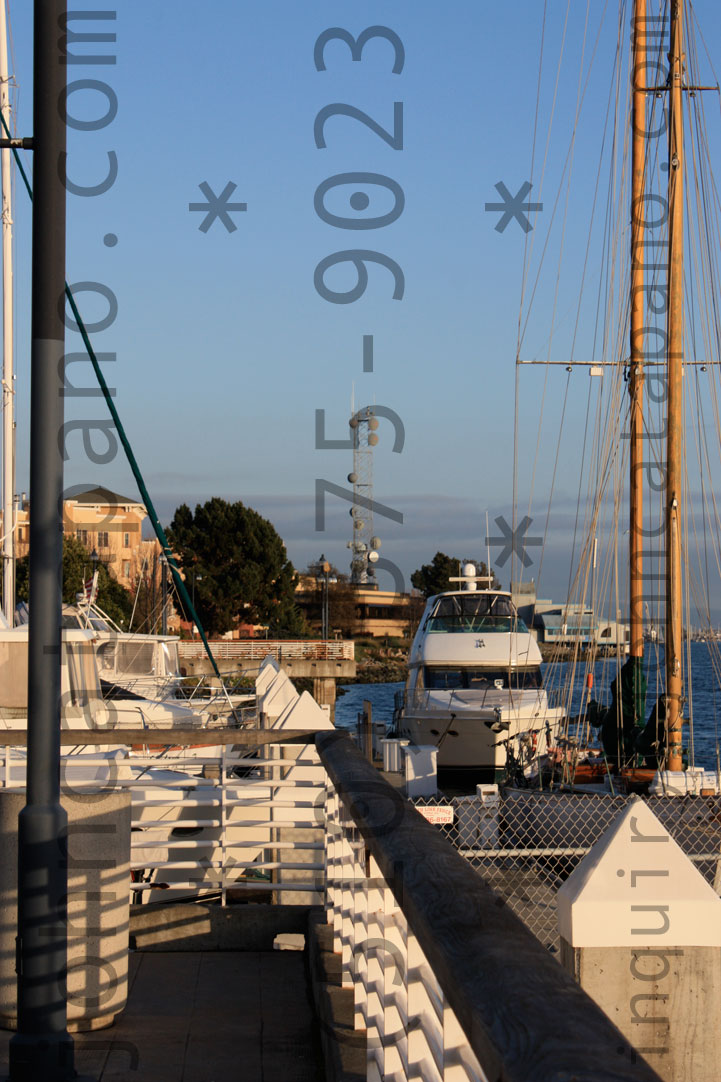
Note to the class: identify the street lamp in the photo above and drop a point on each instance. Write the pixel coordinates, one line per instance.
(324, 619)
(164, 593)
(93, 591)
(200, 579)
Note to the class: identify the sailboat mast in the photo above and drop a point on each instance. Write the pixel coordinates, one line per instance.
(636, 377)
(674, 617)
(8, 389)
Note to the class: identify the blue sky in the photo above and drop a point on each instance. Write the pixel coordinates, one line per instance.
(224, 348)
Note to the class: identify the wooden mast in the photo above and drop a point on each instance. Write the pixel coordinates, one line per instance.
(674, 479)
(636, 377)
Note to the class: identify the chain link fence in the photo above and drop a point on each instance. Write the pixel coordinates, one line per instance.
(526, 843)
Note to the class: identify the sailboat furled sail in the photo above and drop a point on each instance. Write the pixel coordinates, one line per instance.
(655, 334)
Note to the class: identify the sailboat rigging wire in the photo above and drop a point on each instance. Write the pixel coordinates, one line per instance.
(563, 170)
(527, 239)
(137, 592)
(553, 476)
(581, 90)
(566, 174)
(132, 461)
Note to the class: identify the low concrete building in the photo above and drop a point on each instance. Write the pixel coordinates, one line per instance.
(357, 611)
(558, 624)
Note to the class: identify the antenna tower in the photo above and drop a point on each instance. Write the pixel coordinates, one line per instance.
(364, 544)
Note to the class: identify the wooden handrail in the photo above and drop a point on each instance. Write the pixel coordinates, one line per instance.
(524, 1017)
(168, 737)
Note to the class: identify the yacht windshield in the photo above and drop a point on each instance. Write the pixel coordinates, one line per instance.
(474, 612)
(172, 658)
(82, 671)
(442, 679)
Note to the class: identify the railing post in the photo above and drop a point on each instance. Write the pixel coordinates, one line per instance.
(223, 813)
(424, 1006)
(375, 976)
(360, 959)
(347, 900)
(395, 965)
(333, 831)
(459, 1062)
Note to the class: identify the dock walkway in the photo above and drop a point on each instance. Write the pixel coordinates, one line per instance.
(207, 1016)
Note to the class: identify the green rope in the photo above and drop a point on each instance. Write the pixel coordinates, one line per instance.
(145, 495)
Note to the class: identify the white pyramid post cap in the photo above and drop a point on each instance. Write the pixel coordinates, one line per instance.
(280, 693)
(268, 671)
(303, 713)
(637, 888)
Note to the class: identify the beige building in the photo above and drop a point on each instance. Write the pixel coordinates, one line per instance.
(105, 521)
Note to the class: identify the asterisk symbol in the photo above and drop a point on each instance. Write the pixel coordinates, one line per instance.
(513, 206)
(514, 541)
(217, 206)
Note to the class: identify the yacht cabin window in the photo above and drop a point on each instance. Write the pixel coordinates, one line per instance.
(440, 678)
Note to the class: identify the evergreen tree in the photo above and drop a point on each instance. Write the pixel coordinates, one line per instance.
(433, 578)
(236, 564)
(112, 598)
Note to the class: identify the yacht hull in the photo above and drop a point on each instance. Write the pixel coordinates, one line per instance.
(479, 740)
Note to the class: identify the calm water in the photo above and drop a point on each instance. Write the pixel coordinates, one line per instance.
(705, 689)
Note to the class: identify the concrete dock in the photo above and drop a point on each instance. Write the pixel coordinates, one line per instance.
(207, 1016)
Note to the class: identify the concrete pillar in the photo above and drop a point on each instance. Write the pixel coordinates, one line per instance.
(98, 905)
(641, 933)
(324, 692)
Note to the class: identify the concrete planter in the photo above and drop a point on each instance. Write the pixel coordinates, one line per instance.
(98, 906)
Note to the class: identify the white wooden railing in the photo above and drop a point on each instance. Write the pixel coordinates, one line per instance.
(257, 649)
(258, 833)
(448, 985)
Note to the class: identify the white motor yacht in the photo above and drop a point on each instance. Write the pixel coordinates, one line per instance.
(474, 684)
(146, 666)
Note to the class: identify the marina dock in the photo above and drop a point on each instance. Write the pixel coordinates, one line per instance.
(407, 963)
(206, 1016)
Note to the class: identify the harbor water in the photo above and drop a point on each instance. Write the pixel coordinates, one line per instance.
(704, 696)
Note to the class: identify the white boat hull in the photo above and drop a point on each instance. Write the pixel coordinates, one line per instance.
(478, 739)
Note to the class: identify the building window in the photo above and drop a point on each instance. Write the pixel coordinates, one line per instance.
(103, 539)
(126, 569)
(82, 536)
(126, 540)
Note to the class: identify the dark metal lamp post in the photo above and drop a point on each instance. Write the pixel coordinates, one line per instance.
(164, 594)
(42, 1048)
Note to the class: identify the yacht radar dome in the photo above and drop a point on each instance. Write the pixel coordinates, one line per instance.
(469, 576)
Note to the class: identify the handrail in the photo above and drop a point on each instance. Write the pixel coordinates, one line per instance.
(167, 736)
(524, 1017)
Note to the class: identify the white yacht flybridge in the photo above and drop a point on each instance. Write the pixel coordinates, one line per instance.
(474, 682)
